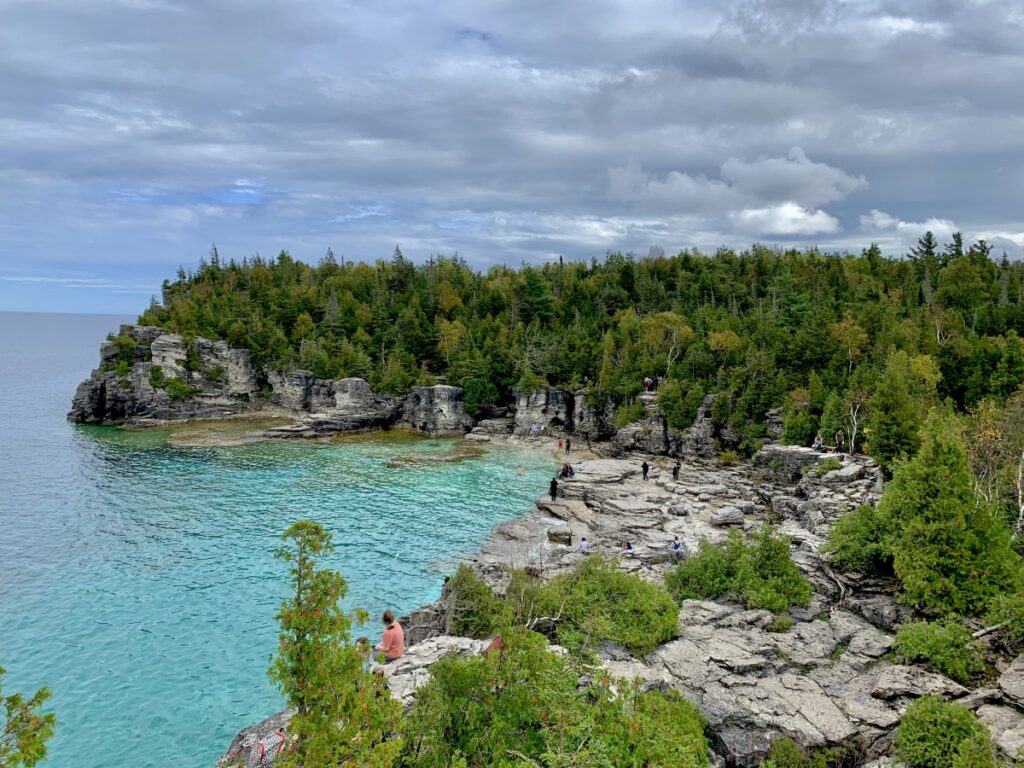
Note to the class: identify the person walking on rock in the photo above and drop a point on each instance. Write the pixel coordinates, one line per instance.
(675, 471)
(553, 489)
(645, 468)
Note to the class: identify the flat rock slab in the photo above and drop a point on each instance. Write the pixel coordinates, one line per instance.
(899, 680)
(1006, 727)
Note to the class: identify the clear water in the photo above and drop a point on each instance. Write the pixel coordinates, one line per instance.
(137, 577)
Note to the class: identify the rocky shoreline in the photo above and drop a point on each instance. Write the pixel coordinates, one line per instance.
(828, 679)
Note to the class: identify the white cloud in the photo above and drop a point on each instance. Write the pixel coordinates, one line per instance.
(786, 219)
(795, 178)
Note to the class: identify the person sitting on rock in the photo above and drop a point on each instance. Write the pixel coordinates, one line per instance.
(553, 488)
(363, 646)
(392, 642)
(584, 546)
(818, 443)
(627, 548)
(679, 548)
(645, 468)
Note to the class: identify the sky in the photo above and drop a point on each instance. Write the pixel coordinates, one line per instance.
(134, 134)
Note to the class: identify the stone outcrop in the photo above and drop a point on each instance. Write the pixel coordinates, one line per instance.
(149, 377)
(436, 410)
(544, 411)
(152, 377)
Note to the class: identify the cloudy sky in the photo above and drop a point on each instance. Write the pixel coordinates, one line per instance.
(135, 133)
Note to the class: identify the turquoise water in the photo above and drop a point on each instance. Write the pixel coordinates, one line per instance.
(136, 574)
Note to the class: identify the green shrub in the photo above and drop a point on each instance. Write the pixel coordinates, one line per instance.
(523, 706)
(761, 573)
(476, 611)
(178, 389)
(157, 377)
(782, 622)
(192, 360)
(828, 465)
(937, 734)
(728, 458)
(1008, 610)
(216, 374)
(597, 601)
(122, 368)
(858, 542)
(627, 413)
(678, 402)
(945, 646)
(786, 753)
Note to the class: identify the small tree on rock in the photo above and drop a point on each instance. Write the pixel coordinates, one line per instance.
(343, 714)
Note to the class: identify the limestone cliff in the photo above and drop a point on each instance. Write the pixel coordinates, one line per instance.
(148, 376)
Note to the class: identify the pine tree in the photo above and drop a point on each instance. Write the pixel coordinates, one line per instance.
(894, 424)
(342, 712)
(951, 554)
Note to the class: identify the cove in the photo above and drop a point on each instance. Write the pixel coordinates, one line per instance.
(137, 576)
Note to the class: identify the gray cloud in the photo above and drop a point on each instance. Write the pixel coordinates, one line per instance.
(508, 131)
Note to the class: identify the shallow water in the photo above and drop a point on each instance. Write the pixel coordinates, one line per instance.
(137, 576)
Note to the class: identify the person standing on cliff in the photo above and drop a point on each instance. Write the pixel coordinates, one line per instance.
(392, 642)
(553, 489)
(645, 468)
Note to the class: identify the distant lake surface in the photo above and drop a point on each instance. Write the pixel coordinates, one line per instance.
(137, 577)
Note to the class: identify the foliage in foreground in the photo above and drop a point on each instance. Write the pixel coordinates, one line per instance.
(759, 573)
(786, 753)
(25, 729)
(595, 601)
(952, 555)
(521, 707)
(938, 734)
(343, 713)
(946, 647)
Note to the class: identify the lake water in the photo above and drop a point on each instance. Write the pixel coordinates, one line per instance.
(137, 577)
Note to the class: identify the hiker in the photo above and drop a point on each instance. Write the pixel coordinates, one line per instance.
(840, 441)
(679, 548)
(818, 443)
(553, 489)
(568, 445)
(392, 642)
(645, 468)
(627, 548)
(266, 750)
(584, 546)
(675, 470)
(559, 443)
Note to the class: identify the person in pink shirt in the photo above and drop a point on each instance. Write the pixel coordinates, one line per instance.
(392, 642)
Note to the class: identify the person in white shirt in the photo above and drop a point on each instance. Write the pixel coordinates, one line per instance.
(584, 546)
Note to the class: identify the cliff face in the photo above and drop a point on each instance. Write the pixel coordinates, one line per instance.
(148, 377)
(151, 376)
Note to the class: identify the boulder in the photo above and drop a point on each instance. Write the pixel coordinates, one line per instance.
(727, 516)
(560, 534)
(1012, 680)
(787, 463)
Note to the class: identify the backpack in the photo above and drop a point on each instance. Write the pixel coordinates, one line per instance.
(265, 751)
